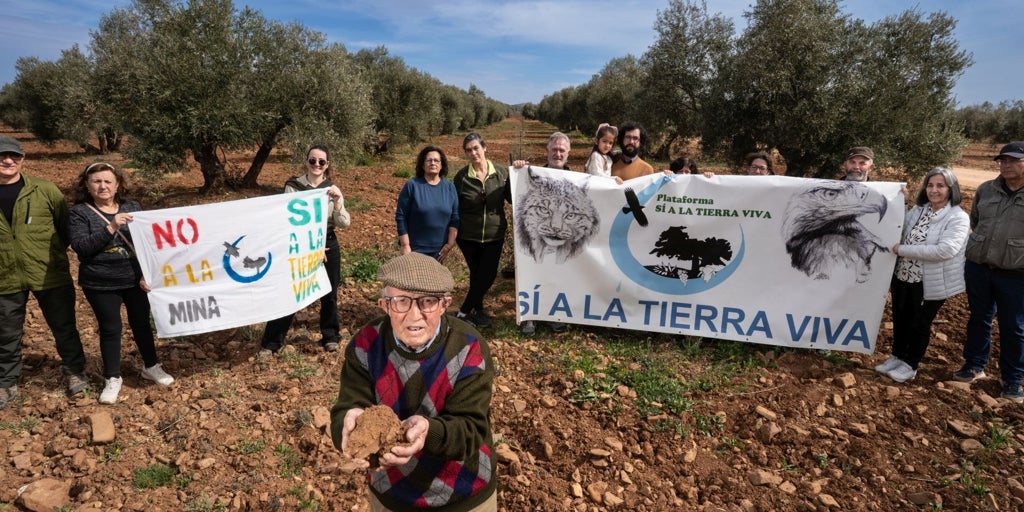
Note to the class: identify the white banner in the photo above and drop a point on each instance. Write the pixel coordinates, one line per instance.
(776, 260)
(230, 264)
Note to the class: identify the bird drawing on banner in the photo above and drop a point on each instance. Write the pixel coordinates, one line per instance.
(248, 262)
(230, 249)
(822, 232)
(635, 207)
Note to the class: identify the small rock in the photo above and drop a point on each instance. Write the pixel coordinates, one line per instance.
(613, 443)
(548, 401)
(1016, 488)
(767, 431)
(612, 500)
(45, 495)
(519, 405)
(576, 490)
(321, 417)
(971, 446)
(847, 380)
(892, 392)
(860, 429)
(987, 400)
(787, 487)
(952, 384)
(963, 428)
(206, 463)
(747, 505)
(826, 500)
(596, 491)
(765, 413)
(599, 453)
(690, 456)
(505, 454)
(924, 498)
(763, 477)
(549, 451)
(102, 427)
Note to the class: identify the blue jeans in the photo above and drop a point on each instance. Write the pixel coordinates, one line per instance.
(991, 293)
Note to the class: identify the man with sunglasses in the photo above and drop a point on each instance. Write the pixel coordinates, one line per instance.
(33, 258)
(435, 373)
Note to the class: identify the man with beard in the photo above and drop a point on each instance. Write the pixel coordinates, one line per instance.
(632, 138)
(858, 164)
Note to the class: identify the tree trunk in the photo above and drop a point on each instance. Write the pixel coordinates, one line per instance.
(256, 167)
(211, 166)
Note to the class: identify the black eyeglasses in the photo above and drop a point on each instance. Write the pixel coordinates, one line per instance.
(432, 161)
(12, 155)
(402, 304)
(317, 161)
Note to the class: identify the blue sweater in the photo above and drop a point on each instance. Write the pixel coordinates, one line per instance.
(425, 212)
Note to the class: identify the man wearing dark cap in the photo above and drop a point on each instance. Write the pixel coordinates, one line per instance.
(994, 272)
(33, 258)
(435, 373)
(859, 163)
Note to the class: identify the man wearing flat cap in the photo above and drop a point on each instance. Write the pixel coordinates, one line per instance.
(436, 373)
(994, 272)
(33, 258)
(859, 163)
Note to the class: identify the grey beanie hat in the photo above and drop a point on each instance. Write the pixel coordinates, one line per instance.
(416, 273)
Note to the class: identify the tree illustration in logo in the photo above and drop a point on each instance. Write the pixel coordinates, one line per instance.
(706, 257)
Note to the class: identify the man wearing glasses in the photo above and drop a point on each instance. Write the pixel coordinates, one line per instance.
(33, 258)
(435, 373)
(994, 273)
(632, 138)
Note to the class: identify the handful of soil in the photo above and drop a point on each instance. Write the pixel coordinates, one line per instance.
(377, 430)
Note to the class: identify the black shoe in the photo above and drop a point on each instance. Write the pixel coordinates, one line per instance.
(469, 319)
(481, 319)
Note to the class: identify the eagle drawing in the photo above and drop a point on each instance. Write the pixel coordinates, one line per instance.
(822, 232)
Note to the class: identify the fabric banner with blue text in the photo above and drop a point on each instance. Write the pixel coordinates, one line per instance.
(776, 260)
(235, 263)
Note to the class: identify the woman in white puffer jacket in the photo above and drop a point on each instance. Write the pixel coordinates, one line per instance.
(929, 270)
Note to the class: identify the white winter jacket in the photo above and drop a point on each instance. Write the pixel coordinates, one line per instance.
(942, 254)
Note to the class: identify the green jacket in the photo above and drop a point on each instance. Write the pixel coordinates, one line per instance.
(482, 204)
(33, 247)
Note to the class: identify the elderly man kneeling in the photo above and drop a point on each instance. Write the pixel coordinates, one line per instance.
(435, 373)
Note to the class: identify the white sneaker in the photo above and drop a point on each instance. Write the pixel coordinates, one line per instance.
(157, 374)
(902, 372)
(888, 365)
(111, 390)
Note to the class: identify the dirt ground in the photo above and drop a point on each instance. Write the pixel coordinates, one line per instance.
(800, 430)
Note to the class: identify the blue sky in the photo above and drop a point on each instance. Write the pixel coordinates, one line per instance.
(519, 51)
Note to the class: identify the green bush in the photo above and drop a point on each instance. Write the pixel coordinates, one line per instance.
(362, 265)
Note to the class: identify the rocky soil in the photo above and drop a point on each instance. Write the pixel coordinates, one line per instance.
(764, 428)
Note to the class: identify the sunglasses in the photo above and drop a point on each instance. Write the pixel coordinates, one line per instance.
(317, 161)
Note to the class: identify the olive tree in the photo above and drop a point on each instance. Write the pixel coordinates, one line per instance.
(55, 101)
(679, 71)
(810, 81)
(202, 78)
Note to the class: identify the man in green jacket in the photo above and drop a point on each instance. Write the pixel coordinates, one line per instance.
(33, 258)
